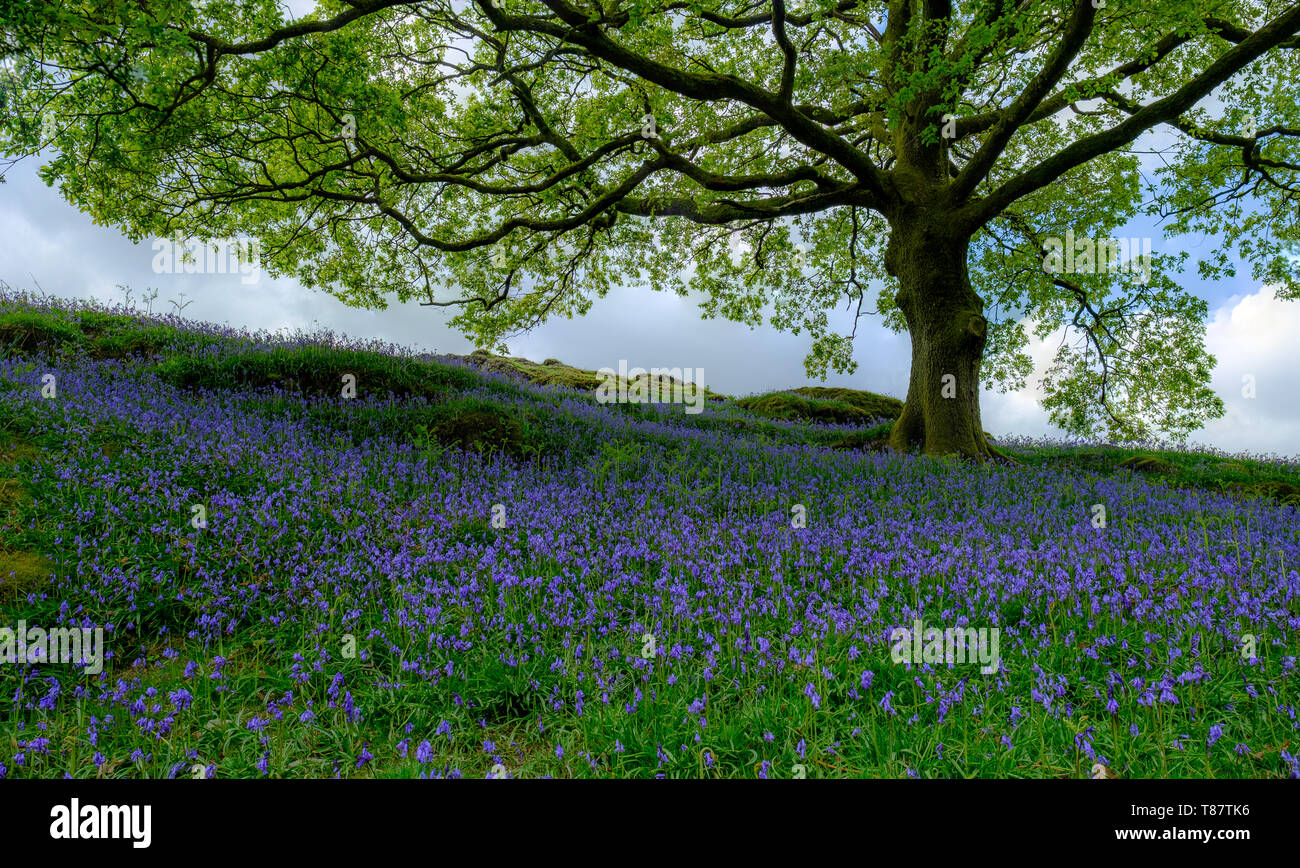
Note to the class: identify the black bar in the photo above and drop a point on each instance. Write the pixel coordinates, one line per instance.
(672, 818)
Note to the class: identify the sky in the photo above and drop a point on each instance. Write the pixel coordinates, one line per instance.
(47, 244)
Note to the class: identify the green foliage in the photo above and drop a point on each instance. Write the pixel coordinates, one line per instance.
(620, 462)
(133, 342)
(95, 322)
(478, 425)
(874, 439)
(21, 573)
(314, 369)
(774, 199)
(876, 406)
(1147, 464)
(103, 335)
(1239, 476)
(789, 407)
(29, 332)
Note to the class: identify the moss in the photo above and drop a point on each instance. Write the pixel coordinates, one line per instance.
(21, 573)
(552, 372)
(871, 439)
(483, 430)
(14, 450)
(95, 322)
(12, 493)
(26, 333)
(1283, 492)
(791, 407)
(1148, 464)
(132, 342)
(570, 378)
(557, 375)
(878, 406)
(317, 370)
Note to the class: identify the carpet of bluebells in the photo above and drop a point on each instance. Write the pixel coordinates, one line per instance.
(631, 600)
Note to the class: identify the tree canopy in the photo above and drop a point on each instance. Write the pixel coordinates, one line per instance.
(515, 159)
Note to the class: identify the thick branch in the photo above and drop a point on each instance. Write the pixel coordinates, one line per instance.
(1161, 111)
(1080, 26)
(575, 27)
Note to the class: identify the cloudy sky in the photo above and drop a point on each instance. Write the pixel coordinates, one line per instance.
(47, 243)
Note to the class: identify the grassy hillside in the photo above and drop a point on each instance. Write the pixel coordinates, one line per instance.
(473, 568)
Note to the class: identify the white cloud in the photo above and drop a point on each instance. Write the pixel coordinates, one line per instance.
(44, 237)
(1019, 413)
(1253, 335)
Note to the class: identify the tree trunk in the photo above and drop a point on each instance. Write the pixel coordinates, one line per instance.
(945, 319)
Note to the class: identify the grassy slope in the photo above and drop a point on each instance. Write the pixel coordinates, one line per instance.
(442, 414)
(182, 360)
(871, 412)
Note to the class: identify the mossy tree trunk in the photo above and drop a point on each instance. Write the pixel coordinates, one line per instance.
(945, 319)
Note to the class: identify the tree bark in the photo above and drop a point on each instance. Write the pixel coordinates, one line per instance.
(945, 319)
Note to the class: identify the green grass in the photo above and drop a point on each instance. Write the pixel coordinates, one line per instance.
(28, 333)
(101, 335)
(790, 407)
(321, 370)
(444, 407)
(553, 372)
(1244, 477)
(875, 406)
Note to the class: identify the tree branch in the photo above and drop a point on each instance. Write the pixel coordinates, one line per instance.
(1160, 111)
(1011, 119)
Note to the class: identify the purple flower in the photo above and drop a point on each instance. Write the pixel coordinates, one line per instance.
(885, 703)
(1293, 763)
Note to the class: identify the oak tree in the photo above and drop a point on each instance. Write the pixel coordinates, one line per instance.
(957, 168)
